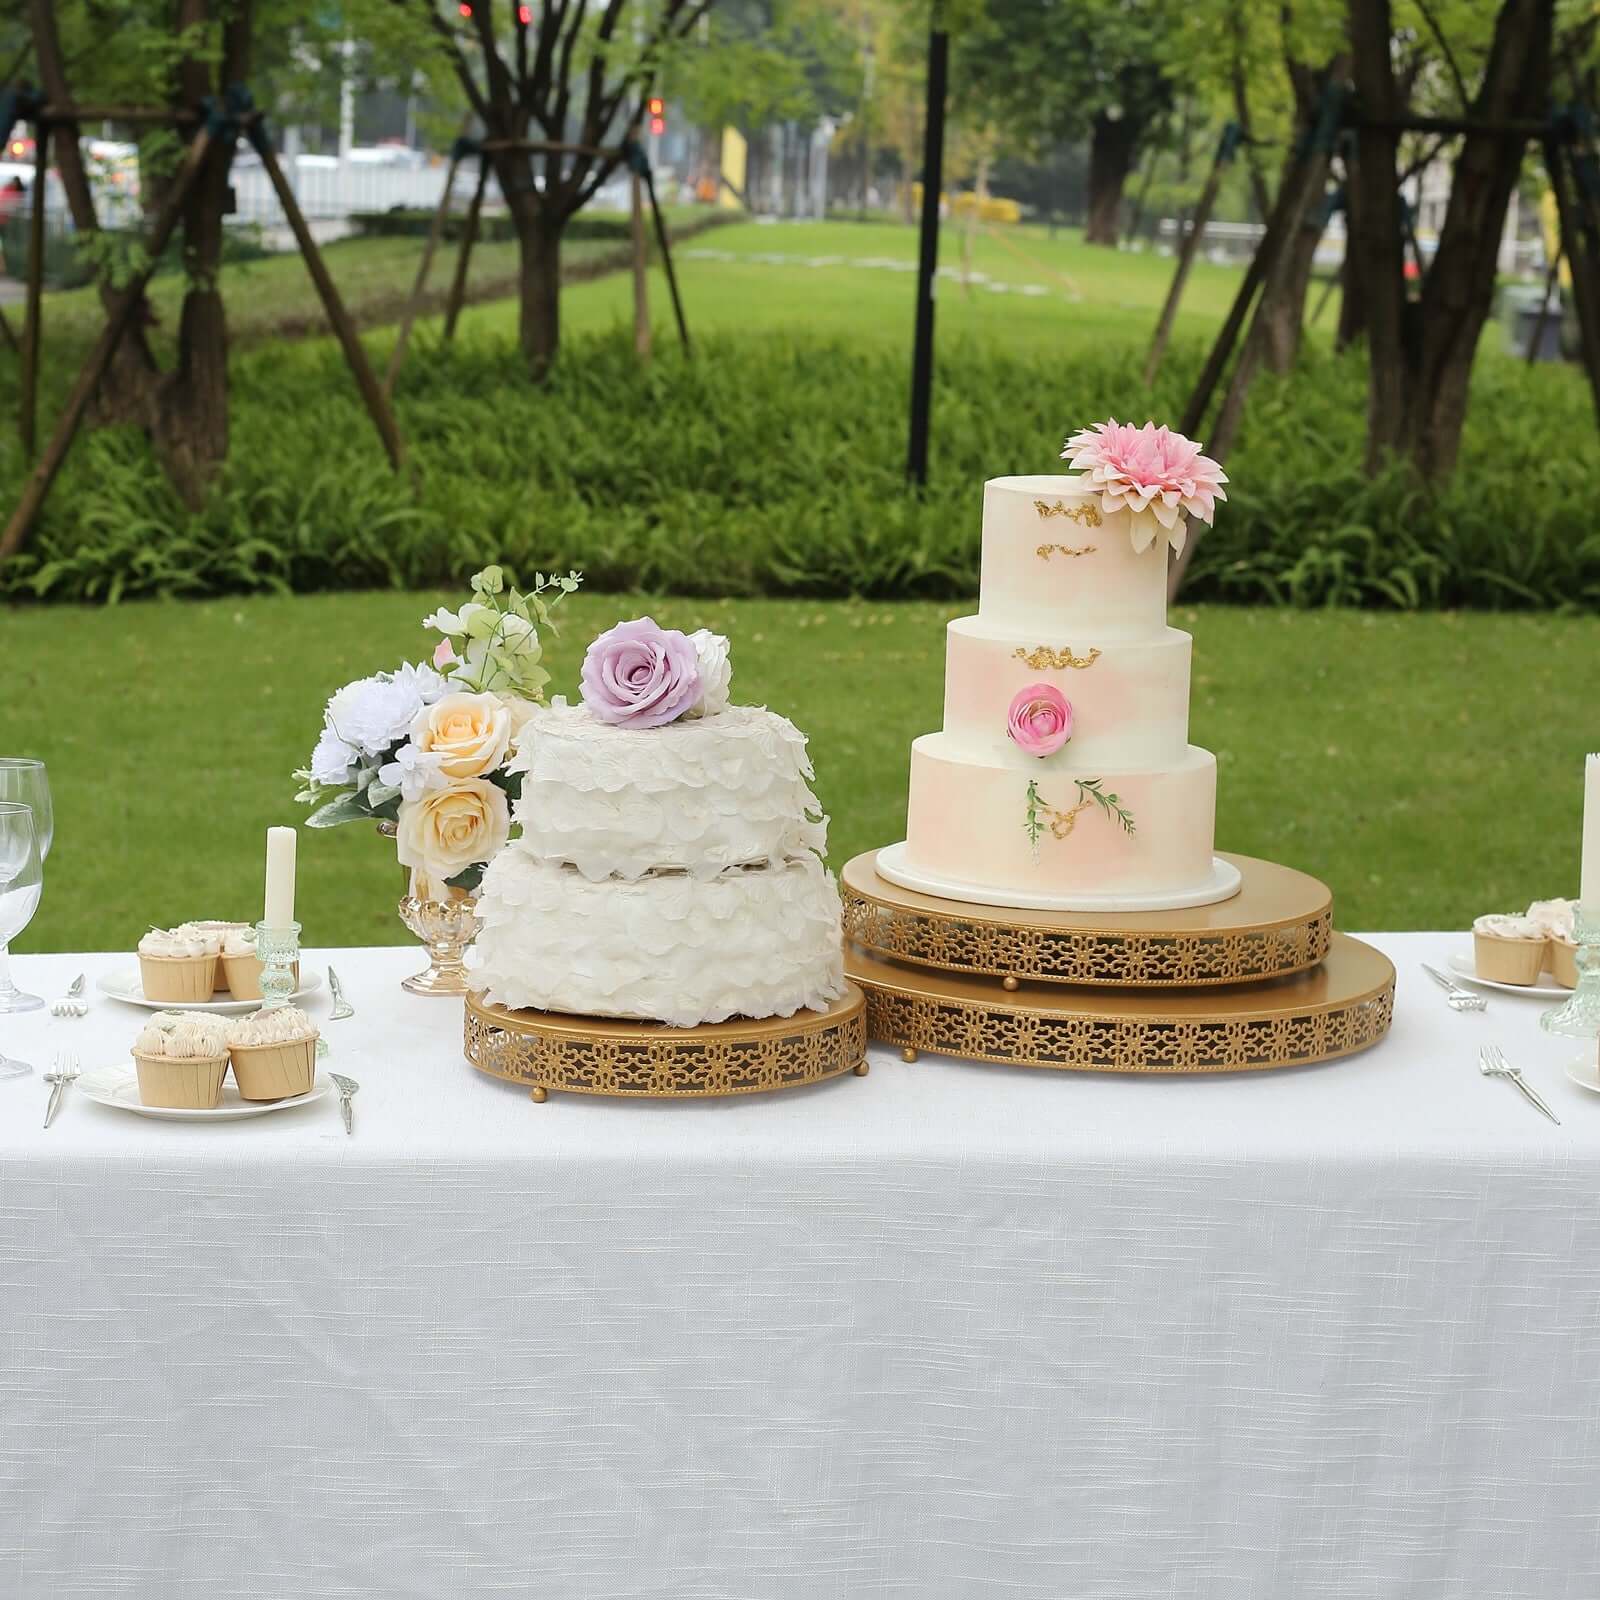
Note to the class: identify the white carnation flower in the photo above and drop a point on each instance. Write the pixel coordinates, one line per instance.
(375, 713)
(333, 761)
(716, 672)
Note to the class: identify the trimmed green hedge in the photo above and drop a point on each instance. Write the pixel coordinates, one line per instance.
(773, 465)
(495, 225)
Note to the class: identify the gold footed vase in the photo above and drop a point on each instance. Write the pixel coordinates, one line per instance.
(445, 920)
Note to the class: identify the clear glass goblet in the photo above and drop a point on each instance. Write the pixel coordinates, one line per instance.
(24, 782)
(21, 883)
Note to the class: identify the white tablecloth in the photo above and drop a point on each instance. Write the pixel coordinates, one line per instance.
(947, 1330)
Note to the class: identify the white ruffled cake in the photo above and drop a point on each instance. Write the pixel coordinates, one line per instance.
(670, 873)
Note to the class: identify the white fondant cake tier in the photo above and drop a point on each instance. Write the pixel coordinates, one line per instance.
(968, 823)
(700, 794)
(1130, 700)
(760, 942)
(1053, 559)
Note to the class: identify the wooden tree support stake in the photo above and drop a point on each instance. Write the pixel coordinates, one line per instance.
(1188, 248)
(354, 351)
(27, 419)
(641, 263)
(8, 333)
(99, 358)
(424, 267)
(666, 258)
(469, 237)
(1578, 210)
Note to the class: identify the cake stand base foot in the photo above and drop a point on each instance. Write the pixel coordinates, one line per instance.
(1011, 985)
(861, 1068)
(908, 1055)
(539, 1094)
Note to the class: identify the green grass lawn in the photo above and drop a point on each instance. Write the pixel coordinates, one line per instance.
(1428, 767)
(1093, 294)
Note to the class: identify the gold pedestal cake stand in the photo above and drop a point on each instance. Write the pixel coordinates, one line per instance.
(642, 1060)
(1257, 981)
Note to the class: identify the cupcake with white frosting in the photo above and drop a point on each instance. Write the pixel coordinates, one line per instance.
(181, 1058)
(274, 1053)
(219, 931)
(1508, 949)
(1558, 919)
(178, 966)
(241, 966)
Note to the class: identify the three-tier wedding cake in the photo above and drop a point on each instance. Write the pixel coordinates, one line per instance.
(669, 864)
(1064, 778)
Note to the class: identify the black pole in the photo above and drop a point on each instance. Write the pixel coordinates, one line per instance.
(928, 256)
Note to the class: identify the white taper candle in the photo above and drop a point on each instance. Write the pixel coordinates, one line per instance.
(279, 909)
(1589, 869)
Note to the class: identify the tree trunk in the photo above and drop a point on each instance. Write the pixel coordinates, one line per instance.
(190, 425)
(539, 288)
(1113, 145)
(1422, 351)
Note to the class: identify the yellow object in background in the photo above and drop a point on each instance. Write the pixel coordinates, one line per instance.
(1550, 227)
(735, 152)
(994, 209)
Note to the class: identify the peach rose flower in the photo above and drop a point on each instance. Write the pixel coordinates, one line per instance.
(452, 829)
(468, 732)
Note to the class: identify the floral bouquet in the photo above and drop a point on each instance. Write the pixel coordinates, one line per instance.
(424, 747)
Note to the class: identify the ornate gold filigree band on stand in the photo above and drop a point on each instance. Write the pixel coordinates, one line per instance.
(1340, 1007)
(1280, 922)
(640, 1060)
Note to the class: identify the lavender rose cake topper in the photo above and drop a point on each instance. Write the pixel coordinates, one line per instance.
(640, 675)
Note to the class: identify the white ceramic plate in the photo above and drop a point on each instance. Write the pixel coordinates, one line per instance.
(1585, 1073)
(124, 985)
(1546, 988)
(118, 1087)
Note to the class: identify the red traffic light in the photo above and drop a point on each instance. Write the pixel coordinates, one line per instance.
(465, 8)
(524, 15)
(658, 107)
(658, 124)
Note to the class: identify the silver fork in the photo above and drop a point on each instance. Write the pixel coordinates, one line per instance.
(72, 1004)
(66, 1070)
(1457, 998)
(1493, 1064)
(341, 1007)
(347, 1088)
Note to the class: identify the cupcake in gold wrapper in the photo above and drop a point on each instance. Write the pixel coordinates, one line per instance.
(178, 966)
(1558, 920)
(274, 1054)
(181, 1059)
(218, 932)
(1508, 949)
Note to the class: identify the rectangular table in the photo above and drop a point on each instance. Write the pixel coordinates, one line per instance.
(947, 1330)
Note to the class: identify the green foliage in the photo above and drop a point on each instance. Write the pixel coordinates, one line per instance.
(773, 465)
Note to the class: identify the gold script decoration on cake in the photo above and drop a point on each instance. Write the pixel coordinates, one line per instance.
(1088, 514)
(1045, 551)
(1042, 656)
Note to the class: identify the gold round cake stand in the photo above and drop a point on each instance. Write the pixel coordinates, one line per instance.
(1339, 1007)
(548, 1050)
(1280, 922)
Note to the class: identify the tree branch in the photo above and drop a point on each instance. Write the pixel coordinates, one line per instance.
(458, 61)
(1429, 17)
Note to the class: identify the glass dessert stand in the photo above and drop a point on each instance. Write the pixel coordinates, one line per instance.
(1257, 981)
(546, 1051)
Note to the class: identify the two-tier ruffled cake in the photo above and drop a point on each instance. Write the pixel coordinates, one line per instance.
(1063, 778)
(669, 862)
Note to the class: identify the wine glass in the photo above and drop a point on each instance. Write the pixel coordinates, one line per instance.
(23, 781)
(21, 881)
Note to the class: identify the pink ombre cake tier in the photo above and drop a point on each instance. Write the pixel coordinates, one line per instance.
(970, 823)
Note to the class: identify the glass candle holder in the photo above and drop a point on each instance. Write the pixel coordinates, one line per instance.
(1579, 1017)
(277, 949)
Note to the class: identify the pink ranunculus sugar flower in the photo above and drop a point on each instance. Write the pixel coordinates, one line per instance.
(1148, 469)
(1040, 719)
(639, 675)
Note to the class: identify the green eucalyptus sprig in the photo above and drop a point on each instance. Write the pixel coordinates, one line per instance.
(492, 644)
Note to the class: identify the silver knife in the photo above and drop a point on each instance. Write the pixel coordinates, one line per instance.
(1444, 983)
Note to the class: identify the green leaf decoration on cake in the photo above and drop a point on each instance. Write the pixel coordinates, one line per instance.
(1040, 814)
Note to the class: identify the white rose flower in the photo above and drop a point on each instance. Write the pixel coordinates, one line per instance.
(429, 685)
(716, 672)
(333, 761)
(414, 772)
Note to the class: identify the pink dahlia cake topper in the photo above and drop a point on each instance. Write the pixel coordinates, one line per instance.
(1040, 719)
(1148, 469)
